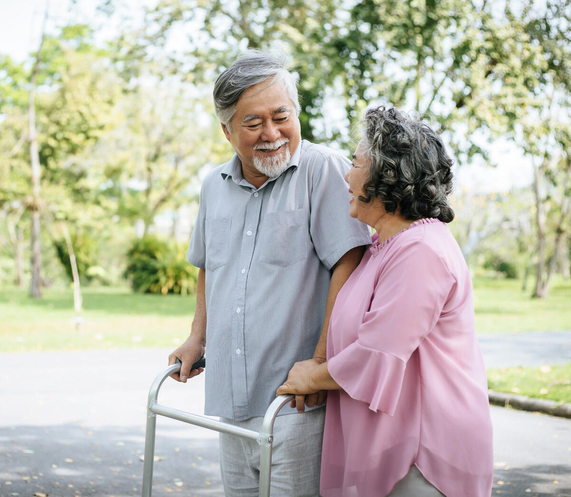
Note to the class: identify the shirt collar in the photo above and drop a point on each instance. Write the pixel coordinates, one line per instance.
(233, 168)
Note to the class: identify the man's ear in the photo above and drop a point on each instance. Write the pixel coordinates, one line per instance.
(226, 132)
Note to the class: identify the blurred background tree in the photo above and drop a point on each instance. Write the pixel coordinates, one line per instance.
(126, 128)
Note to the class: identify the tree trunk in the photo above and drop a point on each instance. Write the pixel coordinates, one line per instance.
(174, 226)
(35, 286)
(559, 232)
(77, 298)
(539, 291)
(16, 234)
(565, 260)
(18, 258)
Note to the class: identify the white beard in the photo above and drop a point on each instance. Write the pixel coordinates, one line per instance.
(272, 166)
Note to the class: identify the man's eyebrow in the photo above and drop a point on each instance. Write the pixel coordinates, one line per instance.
(251, 117)
(285, 108)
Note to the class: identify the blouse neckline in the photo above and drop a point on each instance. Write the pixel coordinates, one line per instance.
(376, 246)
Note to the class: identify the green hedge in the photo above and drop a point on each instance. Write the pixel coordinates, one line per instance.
(160, 266)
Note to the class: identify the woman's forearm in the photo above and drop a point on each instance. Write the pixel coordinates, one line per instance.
(320, 379)
(308, 377)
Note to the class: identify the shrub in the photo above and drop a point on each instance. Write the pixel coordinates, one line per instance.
(508, 268)
(86, 254)
(505, 268)
(160, 266)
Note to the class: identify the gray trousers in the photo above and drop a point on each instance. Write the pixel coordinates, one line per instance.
(414, 485)
(296, 457)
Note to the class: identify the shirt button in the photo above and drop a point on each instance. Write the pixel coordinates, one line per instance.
(249, 233)
(238, 310)
(238, 351)
(243, 270)
(256, 194)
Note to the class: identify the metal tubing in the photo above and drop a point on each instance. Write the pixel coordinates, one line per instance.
(264, 437)
(266, 441)
(205, 422)
(149, 456)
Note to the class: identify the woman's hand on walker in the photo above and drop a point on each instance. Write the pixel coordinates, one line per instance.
(299, 382)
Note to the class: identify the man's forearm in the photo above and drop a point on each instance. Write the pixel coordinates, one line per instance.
(194, 346)
(341, 272)
(198, 329)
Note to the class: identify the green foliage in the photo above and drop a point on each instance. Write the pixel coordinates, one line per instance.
(86, 255)
(507, 268)
(158, 266)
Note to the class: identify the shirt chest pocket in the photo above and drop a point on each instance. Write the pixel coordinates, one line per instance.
(284, 237)
(217, 241)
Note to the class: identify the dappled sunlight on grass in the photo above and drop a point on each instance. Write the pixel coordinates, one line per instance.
(501, 307)
(545, 382)
(113, 318)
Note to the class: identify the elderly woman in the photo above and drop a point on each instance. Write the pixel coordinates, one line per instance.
(407, 412)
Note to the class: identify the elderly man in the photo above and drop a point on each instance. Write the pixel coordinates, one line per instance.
(274, 243)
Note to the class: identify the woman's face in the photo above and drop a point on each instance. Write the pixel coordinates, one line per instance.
(366, 212)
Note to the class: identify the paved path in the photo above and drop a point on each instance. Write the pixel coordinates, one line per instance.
(526, 349)
(72, 424)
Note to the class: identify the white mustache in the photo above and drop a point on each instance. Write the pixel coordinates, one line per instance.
(272, 146)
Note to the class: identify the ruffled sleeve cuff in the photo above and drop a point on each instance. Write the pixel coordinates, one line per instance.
(369, 376)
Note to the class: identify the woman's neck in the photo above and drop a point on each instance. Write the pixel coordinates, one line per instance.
(389, 224)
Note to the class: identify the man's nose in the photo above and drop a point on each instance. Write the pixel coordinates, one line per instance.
(270, 133)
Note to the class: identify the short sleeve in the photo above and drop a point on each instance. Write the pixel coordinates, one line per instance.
(196, 254)
(332, 230)
(408, 299)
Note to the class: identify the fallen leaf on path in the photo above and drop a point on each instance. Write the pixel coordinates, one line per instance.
(155, 458)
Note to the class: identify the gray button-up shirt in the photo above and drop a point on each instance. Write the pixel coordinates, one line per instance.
(268, 253)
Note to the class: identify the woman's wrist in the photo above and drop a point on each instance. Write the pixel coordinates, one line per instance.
(315, 380)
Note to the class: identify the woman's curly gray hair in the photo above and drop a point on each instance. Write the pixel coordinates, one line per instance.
(410, 169)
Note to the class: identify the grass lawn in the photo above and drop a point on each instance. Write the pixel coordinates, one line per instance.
(546, 382)
(502, 307)
(114, 318)
(117, 318)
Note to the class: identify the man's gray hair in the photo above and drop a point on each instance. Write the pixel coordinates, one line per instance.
(250, 69)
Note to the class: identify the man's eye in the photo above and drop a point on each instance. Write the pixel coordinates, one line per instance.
(281, 119)
(252, 126)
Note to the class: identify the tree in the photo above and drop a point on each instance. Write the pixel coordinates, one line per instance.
(70, 106)
(35, 204)
(544, 133)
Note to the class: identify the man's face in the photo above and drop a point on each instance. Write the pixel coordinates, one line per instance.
(265, 130)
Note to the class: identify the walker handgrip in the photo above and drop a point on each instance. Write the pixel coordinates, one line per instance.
(201, 363)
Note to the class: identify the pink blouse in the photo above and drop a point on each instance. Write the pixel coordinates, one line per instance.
(402, 346)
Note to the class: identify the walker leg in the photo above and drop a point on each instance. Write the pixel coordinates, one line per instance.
(149, 453)
(266, 442)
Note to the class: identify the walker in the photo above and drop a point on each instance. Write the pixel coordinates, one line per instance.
(264, 437)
